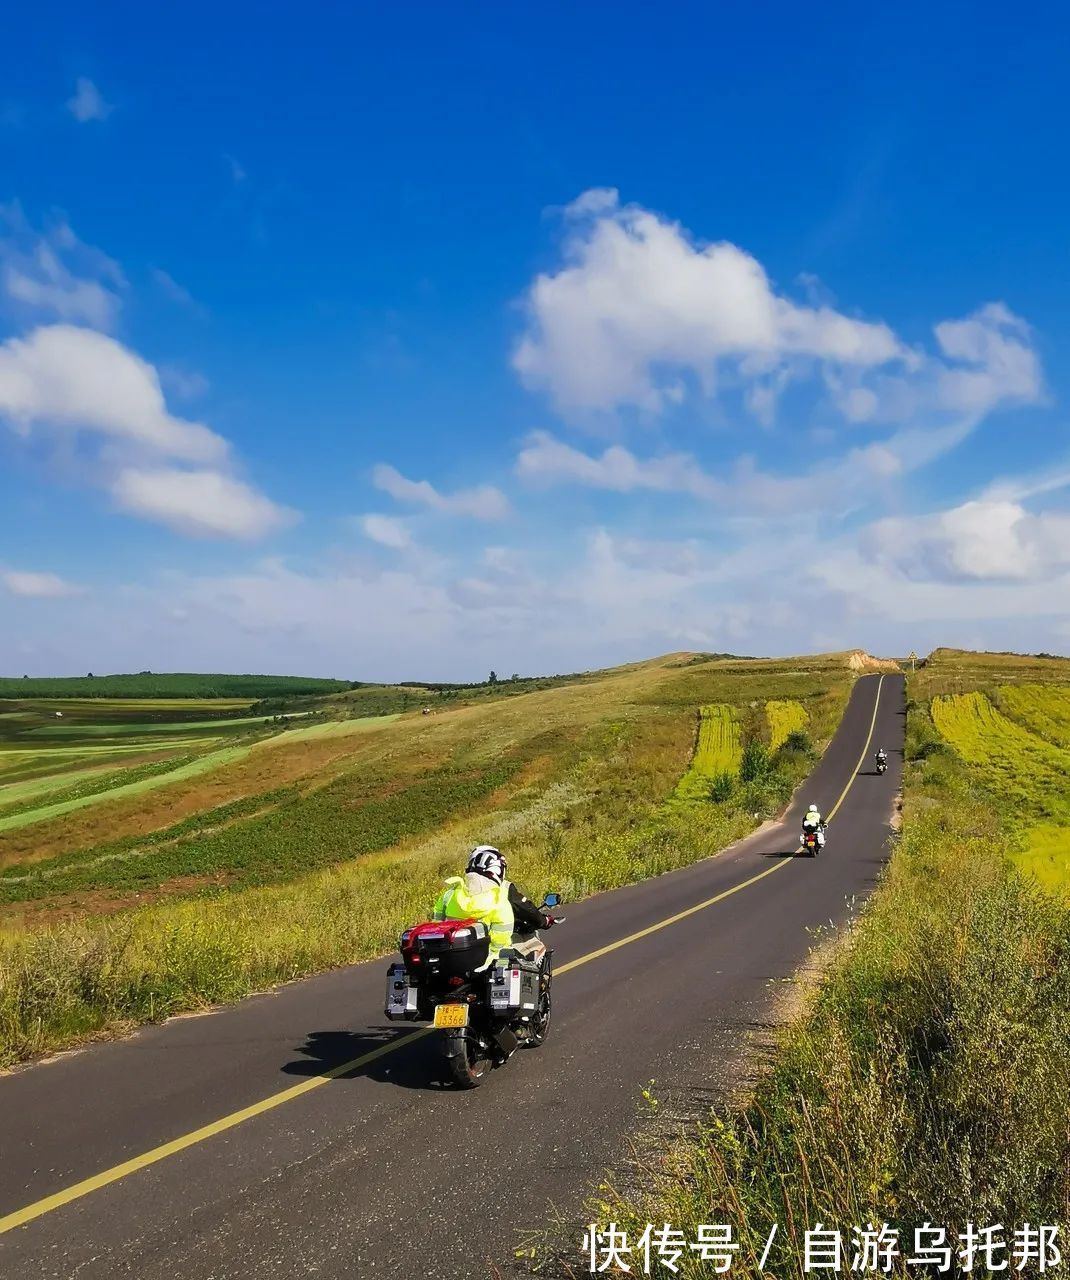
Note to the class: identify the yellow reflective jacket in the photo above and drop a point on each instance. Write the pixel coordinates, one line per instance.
(474, 897)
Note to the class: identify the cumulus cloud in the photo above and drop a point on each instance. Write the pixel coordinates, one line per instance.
(38, 585)
(51, 272)
(484, 502)
(983, 362)
(62, 382)
(200, 503)
(63, 377)
(638, 302)
(987, 539)
(387, 531)
(87, 102)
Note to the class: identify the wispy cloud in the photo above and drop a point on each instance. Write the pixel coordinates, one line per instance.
(87, 102)
(53, 273)
(38, 585)
(483, 503)
(387, 531)
(173, 291)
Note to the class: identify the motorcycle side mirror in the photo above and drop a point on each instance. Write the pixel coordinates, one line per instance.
(552, 899)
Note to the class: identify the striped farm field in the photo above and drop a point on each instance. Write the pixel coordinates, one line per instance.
(718, 751)
(784, 717)
(1026, 770)
(1042, 708)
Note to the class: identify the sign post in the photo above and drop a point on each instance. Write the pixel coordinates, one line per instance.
(912, 657)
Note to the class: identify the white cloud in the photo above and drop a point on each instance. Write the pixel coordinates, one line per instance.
(638, 297)
(64, 377)
(986, 361)
(63, 382)
(53, 273)
(38, 585)
(549, 460)
(198, 503)
(844, 482)
(982, 540)
(484, 502)
(88, 102)
(387, 531)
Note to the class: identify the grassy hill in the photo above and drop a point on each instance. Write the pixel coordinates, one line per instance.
(267, 853)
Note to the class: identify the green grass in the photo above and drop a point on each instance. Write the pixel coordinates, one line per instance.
(1025, 771)
(1043, 855)
(717, 752)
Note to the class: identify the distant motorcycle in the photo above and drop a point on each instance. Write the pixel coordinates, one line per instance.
(882, 764)
(484, 1015)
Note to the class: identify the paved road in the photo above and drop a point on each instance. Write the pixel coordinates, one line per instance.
(383, 1171)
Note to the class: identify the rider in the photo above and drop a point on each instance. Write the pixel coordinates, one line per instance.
(881, 757)
(812, 821)
(483, 893)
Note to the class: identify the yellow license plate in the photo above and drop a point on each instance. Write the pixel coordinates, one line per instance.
(451, 1015)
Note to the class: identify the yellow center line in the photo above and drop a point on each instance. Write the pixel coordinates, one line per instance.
(86, 1187)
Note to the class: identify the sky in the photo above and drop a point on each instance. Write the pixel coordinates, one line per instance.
(397, 342)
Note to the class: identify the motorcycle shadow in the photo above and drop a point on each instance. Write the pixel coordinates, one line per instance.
(782, 853)
(415, 1066)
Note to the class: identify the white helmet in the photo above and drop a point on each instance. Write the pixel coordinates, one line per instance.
(812, 809)
(487, 861)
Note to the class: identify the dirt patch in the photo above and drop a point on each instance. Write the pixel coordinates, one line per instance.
(859, 660)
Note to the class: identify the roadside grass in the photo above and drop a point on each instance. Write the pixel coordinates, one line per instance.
(927, 1081)
(784, 717)
(574, 780)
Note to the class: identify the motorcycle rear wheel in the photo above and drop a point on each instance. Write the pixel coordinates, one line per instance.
(469, 1063)
(540, 1024)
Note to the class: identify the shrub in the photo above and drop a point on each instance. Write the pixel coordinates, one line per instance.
(754, 763)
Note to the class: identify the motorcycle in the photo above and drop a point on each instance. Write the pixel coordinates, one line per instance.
(882, 764)
(484, 1013)
(813, 841)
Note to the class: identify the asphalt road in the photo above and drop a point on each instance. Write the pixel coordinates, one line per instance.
(384, 1171)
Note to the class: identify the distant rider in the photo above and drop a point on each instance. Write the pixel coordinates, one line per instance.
(812, 821)
(483, 893)
(882, 759)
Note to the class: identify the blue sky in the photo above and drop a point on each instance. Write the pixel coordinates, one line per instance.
(410, 341)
